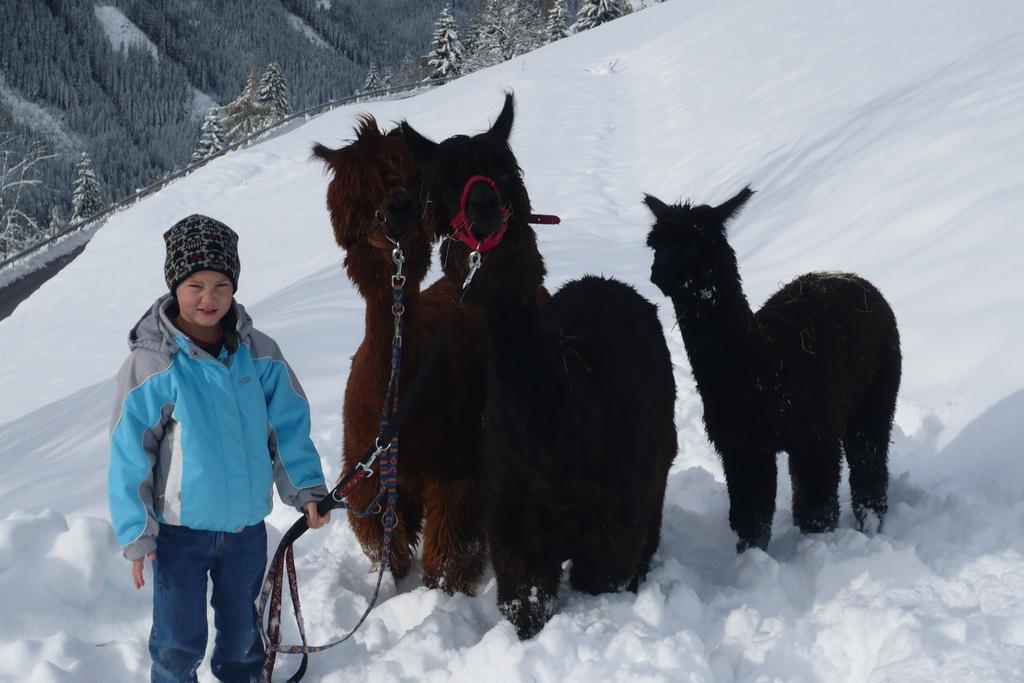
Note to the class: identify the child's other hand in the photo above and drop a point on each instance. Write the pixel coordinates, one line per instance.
(313, 518)
(137, 569)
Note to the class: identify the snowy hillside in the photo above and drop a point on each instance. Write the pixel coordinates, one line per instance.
(883, 138)
(121, 32)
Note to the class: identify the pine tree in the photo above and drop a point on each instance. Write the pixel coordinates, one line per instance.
(445, 58)
(596, 12)
(557, 27)
(386, 79)
(502, 30)
(484, 42)
(212, 138)
(524, 28)
(372, 82)
(273, 93)
(85, 192)
(408, 71)
(246, 115)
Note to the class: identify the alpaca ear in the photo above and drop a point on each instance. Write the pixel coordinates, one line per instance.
(731, 207)
(502, 127)
(422, 148)
(657, 207)
(366, 128)
(323, 153)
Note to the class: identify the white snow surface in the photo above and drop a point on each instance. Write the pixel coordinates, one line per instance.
(120, 30)
(882, 138)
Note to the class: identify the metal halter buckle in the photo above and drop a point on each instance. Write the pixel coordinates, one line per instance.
(397, 280)
(367, 466)
(475, 259)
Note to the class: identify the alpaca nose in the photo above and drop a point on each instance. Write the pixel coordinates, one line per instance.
(661, 276)
(483, 209)
(400, 210)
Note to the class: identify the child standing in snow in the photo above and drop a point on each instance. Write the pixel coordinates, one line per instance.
(208, 414)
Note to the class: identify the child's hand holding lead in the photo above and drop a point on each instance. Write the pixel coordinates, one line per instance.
(313, 517)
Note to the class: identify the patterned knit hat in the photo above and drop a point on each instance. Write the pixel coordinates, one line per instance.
(200, 243)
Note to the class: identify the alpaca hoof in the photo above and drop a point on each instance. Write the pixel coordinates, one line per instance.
(818, 522)
(458, 571)
(760, 542)
(450, 584)
(869, 521)
(435, 581)
(528, 615)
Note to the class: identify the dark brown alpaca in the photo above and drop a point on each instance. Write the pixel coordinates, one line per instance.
(374, 198)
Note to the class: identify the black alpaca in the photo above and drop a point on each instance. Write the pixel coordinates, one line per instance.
(813, 373)
(578, 427)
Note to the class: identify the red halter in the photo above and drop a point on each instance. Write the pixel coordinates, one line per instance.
(460, 222)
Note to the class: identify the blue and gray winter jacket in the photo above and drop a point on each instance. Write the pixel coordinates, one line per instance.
(196, 441)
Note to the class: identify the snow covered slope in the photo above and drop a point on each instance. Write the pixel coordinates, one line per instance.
(121, 32)
(883, 138)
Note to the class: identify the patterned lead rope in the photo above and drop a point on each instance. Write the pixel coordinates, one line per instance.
(284, 558)
(272, 586)
(391, 420)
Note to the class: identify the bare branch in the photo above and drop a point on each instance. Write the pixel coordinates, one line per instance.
(18, 177)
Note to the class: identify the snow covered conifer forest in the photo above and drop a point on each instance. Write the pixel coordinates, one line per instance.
(130, 81)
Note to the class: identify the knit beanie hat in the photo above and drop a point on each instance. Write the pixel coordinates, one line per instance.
(200, 243)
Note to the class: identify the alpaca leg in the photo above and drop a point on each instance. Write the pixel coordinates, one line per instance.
(867, 448)
(869, 477)
(454, 549)
(527, 589)
(652, 542)
(369, 530)
(407, 533)
(750, 477)
(668, 447)
(612, 565)
(814, 469)
(527, 562)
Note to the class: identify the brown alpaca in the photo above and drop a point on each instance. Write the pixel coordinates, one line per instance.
(374, 197)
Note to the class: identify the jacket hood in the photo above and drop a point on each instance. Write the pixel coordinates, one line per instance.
(155, 330)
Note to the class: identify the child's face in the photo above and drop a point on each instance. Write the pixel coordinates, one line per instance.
(204, 298)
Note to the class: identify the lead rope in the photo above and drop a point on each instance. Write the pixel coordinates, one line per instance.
(284, 558)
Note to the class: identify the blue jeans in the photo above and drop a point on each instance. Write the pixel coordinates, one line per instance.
(235, 562)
